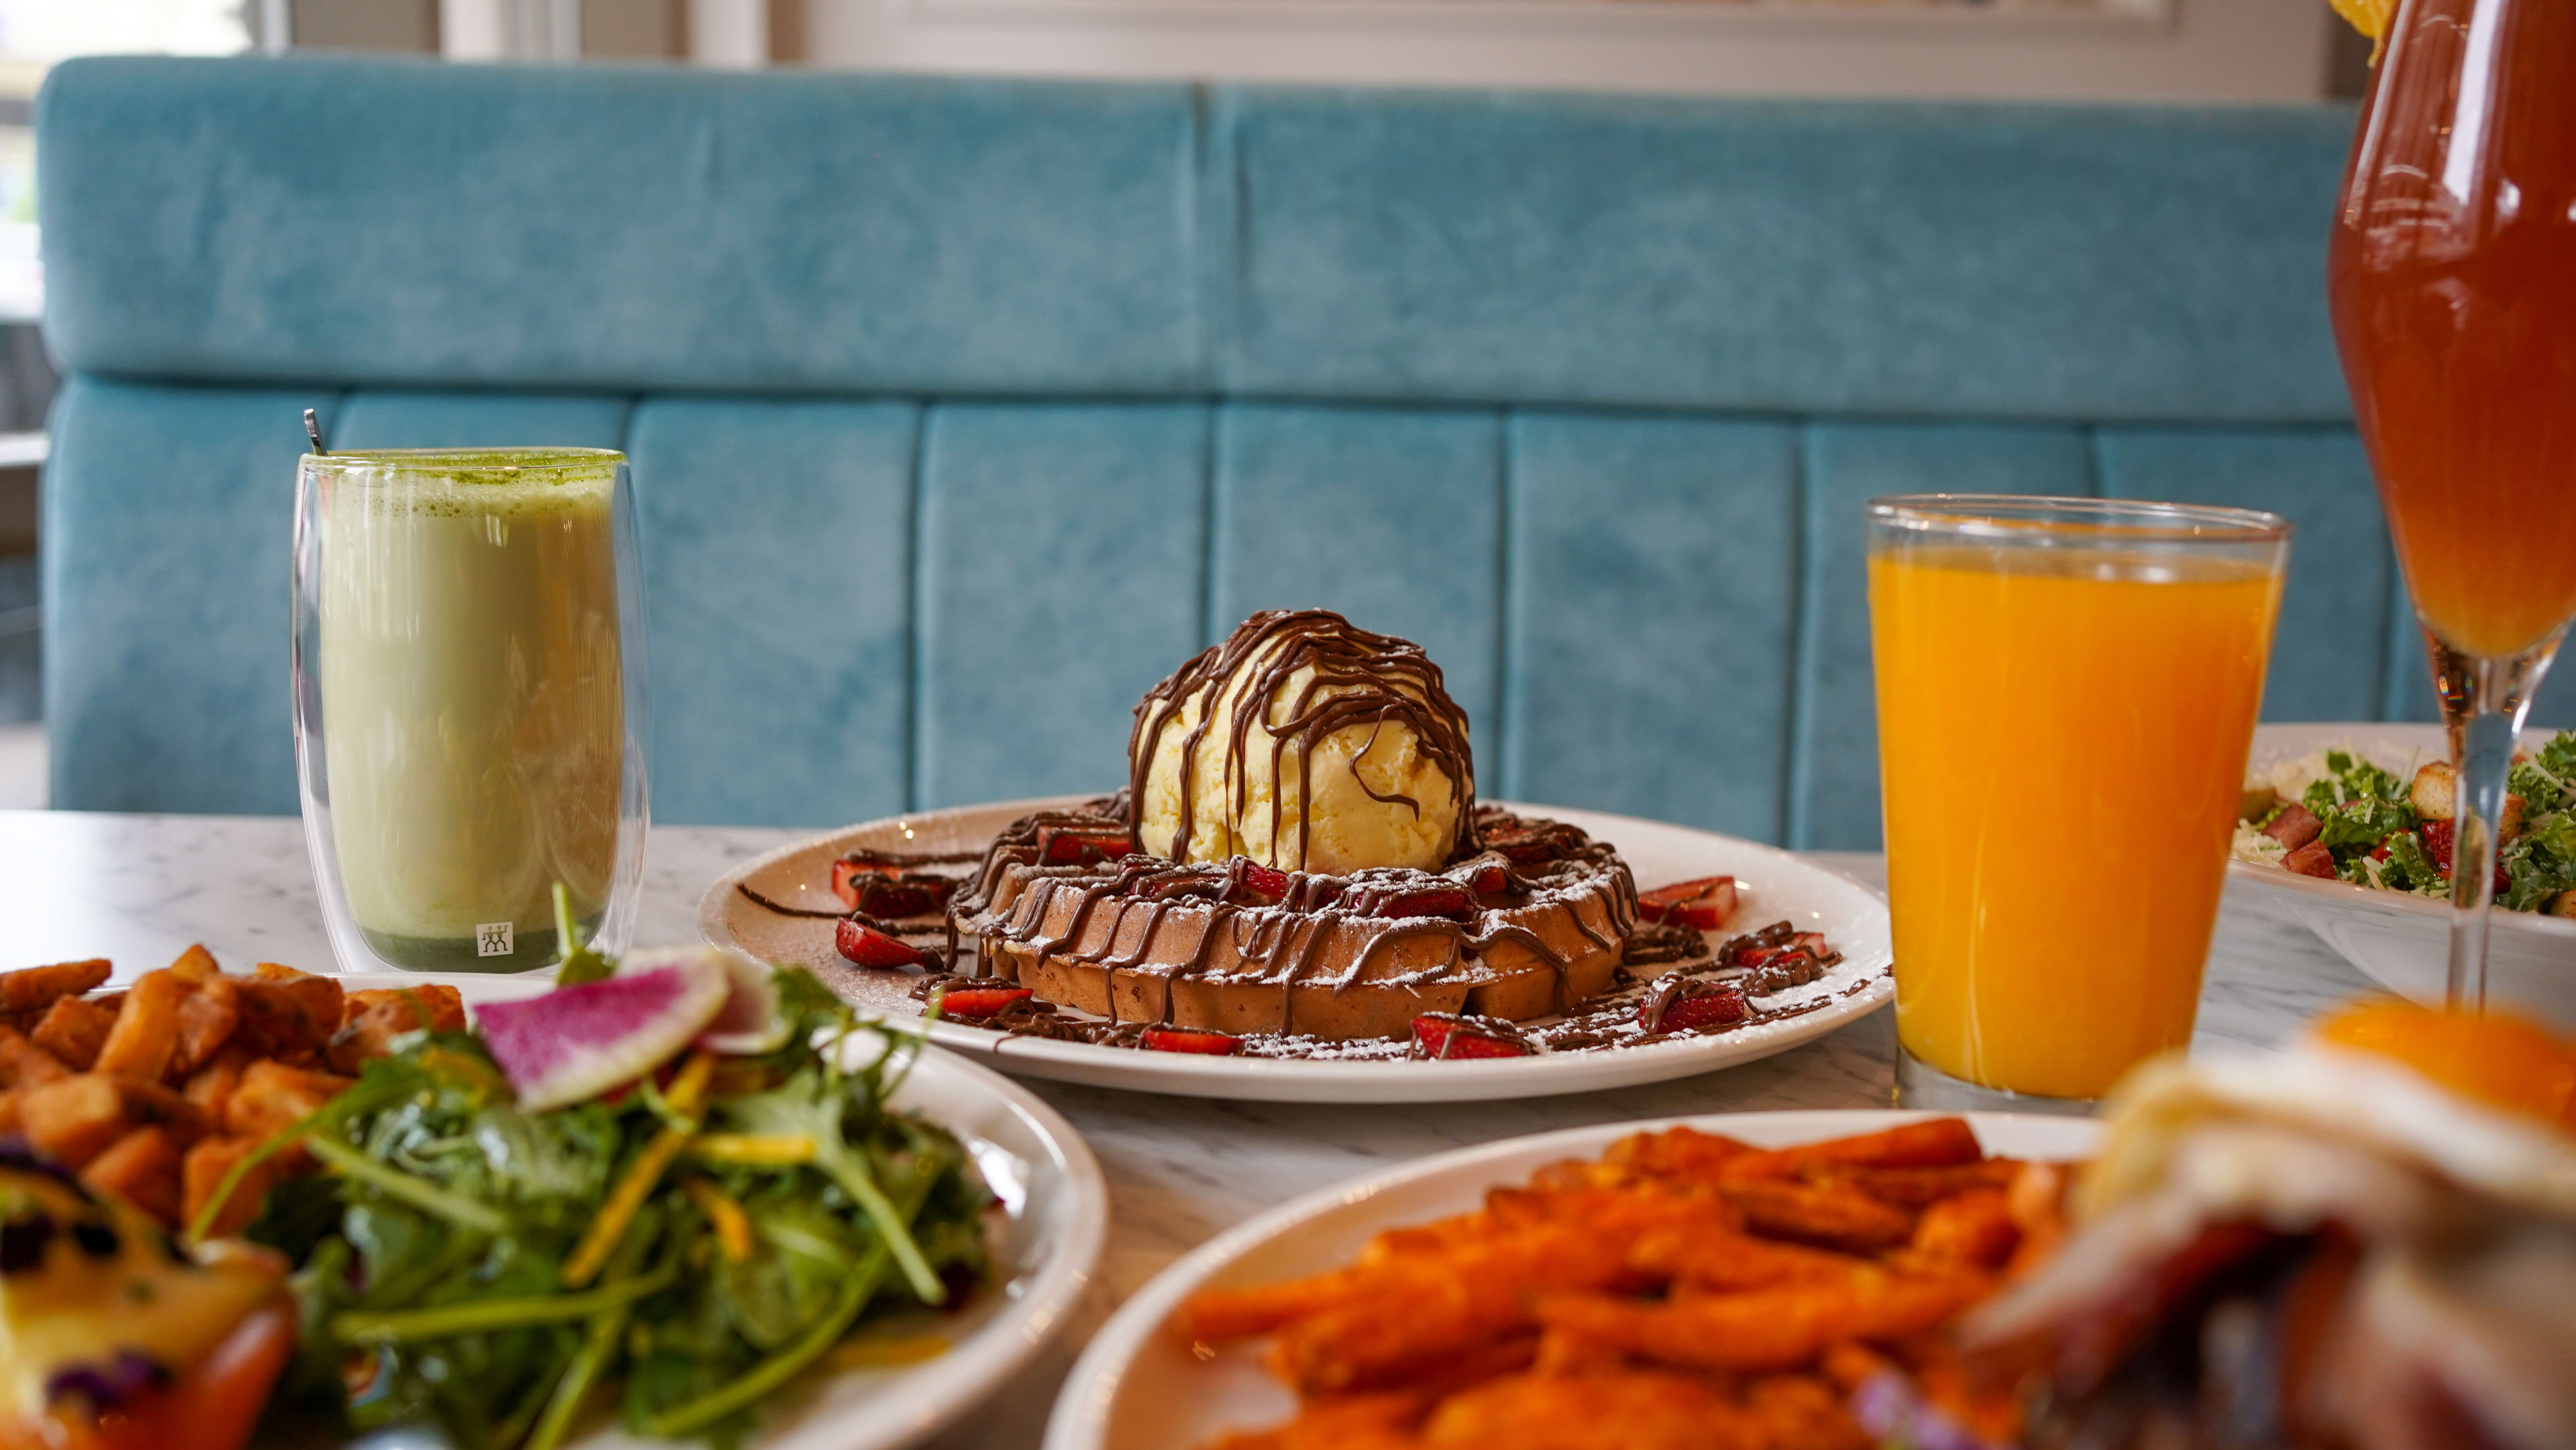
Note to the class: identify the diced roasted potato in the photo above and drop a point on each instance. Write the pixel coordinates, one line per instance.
(284, 1011)
(211, 1086)
(202, 1172)
(375, 1018)
(206, 1022)
(2256, 802)
(196, 965)
(142, 1167)
(272, 1095)
(74, 1118)
(74, 1029)
(24, 1064)
(2563, 904)
(147, 1028)
(36, 988)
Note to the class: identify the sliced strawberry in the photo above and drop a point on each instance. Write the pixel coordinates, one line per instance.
(1067, 847)
(1490, 880)
(2310, 860)
(978, 1002)
(1451, 902)
(902, 896)
(851, 873)
(1704, 904)
(1259, 885)
(1437, 1036)
(870, 947)
(1722, 1008)
(1187, 1039)
(1520, 842)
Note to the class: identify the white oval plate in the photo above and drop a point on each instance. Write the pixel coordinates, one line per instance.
(1777, 885)
(1137, 1387)
(1055, 1217)
(2398, 939)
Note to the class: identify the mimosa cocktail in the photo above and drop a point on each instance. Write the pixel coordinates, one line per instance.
(2453, 281)
(2066, 696)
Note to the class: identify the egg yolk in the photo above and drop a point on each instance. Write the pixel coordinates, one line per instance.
(2501, 1060)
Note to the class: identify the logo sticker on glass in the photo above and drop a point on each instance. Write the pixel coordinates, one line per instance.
(495, 939)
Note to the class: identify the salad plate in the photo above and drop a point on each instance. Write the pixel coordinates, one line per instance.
(1047, 1232)
(1138, 1386)
(2400, 939)
(779, 908)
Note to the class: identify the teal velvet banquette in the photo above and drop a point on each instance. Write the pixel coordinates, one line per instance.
(961, 411)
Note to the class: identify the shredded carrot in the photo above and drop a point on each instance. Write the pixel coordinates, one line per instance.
(642, 1176)
(732, 1225)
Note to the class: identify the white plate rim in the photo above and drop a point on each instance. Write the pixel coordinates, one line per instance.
(1081, 1415)
(1391, 1081)
(936, 1392)
(2352, 896)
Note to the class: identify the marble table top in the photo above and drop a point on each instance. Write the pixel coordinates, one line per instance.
(139, 889)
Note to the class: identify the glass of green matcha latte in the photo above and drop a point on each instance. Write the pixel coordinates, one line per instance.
(469, 702)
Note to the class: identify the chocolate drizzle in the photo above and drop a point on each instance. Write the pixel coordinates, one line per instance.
(1274, 926)
(1359, 679)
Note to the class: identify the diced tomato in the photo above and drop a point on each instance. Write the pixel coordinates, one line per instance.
(1722, 1008)
(1186, 1039)
(869, 947)
(979, 1002)
(2438, 839)
(1436, 1036)
(1704, 904)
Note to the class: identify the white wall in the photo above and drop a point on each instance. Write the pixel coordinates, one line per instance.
(2205, 50)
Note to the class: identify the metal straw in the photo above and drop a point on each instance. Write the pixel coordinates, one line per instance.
(313, 430)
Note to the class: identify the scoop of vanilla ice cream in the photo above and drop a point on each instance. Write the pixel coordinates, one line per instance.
(1250, 802)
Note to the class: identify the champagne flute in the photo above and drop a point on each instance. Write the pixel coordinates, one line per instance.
(2452, 275)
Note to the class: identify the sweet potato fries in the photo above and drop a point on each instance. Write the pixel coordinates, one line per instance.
(1685, 1290)
(155, 1092)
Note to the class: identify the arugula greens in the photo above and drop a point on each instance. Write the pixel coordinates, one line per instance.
(684, 1250)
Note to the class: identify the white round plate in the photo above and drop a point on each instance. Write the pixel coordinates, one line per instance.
(1137, 1387)
(1776, 884)
(2398, 939)
(1055, 1214)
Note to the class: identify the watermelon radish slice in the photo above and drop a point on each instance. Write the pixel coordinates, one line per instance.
(750, 1022)
(575, 1043)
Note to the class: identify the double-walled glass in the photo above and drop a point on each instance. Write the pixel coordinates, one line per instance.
(2067, 691)
(469, 702)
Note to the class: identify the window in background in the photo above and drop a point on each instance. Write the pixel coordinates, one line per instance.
(33, 35)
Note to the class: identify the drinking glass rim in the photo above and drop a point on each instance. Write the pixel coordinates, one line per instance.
(2019, 516)
(450, 462)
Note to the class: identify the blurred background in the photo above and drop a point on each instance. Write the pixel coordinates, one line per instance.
(2147, 51)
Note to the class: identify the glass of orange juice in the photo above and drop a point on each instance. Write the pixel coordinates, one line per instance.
(2067, 691)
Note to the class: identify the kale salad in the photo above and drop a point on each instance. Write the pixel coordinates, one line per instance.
(2338, 815)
